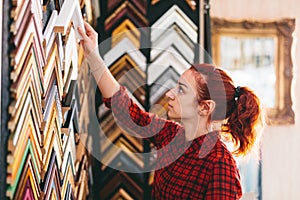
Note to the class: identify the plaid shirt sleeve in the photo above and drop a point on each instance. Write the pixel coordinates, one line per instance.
(136, 121)
(225, 181)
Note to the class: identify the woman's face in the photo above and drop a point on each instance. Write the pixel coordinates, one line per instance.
(182, 101)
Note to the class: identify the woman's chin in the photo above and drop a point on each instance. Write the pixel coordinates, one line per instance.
(174, 118)
(170, 116)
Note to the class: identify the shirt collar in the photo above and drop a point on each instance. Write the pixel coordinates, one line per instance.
(204, 144)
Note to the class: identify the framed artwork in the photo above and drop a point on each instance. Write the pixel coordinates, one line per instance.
(258, 54)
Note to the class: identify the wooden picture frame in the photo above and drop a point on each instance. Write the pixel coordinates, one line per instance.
(166, 81)
(125, 46)
(16, 107)
(134, 77)
(127, 29)
(29, 69)
(26, 129)
(163, 61)
(69, 154)
(28, 175)
(173, 36)
(110, 156)
(118, 133)
(70, 11)
(32, 36)
(52, 181)
(70, 65)
(125, 11)
(54, 145)
(19, 14)
(140, 4)
(82, 173)
(53, 102)
(281, 30)
(16, 161)
(174, 15)
(68, 177)
(53, 68)
(121, 194)
(28, 149)
(122, 180)
(49, 35)
(28, 192)
(51, 132)
(70, 107)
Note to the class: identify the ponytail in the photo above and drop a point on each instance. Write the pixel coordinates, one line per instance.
(242, 109)
(243, 120)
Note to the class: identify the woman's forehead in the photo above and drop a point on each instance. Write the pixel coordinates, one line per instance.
(188, 78)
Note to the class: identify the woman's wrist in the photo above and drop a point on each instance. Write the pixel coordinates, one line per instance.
(95, 62)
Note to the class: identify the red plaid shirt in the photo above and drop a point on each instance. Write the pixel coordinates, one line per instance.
(198, 169)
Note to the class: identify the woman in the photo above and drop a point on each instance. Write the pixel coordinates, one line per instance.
(193, 162)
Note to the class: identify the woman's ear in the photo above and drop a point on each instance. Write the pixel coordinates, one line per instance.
(206, 107)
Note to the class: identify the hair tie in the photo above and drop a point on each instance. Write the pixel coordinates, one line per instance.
(237, 93)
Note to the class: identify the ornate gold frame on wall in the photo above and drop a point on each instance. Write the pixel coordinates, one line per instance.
(282, 113)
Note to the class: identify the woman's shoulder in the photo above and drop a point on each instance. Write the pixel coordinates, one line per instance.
(221, 152)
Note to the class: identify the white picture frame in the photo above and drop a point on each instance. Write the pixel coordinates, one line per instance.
(70, 11)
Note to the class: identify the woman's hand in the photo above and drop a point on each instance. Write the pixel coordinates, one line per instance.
(104, 79)
(89, 41)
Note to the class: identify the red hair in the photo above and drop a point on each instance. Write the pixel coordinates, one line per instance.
(239, 107)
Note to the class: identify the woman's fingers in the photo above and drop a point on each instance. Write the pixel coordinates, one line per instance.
(88, 33)
(89, 39)
(82, 33)
(87, 26)
(89, 29)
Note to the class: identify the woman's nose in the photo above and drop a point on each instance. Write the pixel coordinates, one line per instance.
(170, 94)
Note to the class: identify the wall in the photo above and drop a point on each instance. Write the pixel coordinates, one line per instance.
(281, 157)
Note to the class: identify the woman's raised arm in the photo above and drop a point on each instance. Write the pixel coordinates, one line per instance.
(107, 84)
(126, 112)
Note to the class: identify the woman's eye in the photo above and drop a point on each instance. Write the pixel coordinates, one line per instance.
(180, 90)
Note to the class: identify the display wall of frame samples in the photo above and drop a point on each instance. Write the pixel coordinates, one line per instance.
(46, 158)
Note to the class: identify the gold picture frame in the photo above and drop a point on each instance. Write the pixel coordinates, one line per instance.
(281, 30)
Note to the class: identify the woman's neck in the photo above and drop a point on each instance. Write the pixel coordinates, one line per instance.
(195, 128)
